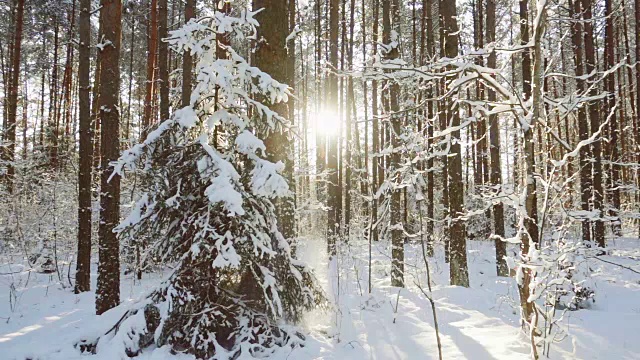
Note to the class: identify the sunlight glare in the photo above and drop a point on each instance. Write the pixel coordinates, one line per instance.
(327, 122)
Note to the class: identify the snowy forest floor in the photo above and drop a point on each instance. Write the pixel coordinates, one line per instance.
(39, 319)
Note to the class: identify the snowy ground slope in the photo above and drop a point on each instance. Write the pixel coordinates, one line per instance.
(476, 323)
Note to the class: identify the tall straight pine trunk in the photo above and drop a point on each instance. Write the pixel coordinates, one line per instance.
(494, 139)
(459, 273)
(594, 118)
(613, 155)
(586, 184)
(637, 118)
(9, 151)
(187, 60)
(392, 21)
(152, 46)
(334, 203)
(163, 60)
(270, 56)
(108, 291)
(83, 267)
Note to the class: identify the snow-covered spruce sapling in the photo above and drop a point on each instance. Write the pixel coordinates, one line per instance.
(207, 208)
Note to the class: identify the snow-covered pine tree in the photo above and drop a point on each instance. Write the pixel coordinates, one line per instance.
(207, 208)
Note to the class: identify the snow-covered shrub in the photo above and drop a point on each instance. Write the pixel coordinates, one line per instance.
(565, 280)
(207, 208)
(560, 277)
(478, 224)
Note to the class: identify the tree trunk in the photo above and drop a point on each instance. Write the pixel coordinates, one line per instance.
(594, 117)
(392, 25)
(365, 102)
(375, 127)
(152, 46)
(320, 140)
(42, 86)
(68, 81)
(287, 213)
(187, 61)
(95, 115)
(459, 273)
(334, 203)
(613, 153)
(108, 290)
(25, 124)
(494, 138)
(53, 101)
(127, 129)
(586, 186)
(270, 56)
(530, 236)
(350, 104)
(481, 128)
(443, 120)
(10, 129)
(163, 59)
(83, 267)
(637, 117)
(428, 53)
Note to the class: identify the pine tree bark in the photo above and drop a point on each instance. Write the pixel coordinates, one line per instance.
(152, 46)
(163, 60)
(334, 203)
(482, 173)
(530, 236)
(459, 273)
(270, 56)
(594, 118)
(613, 155)
(321, 152)
(108, 289)
(288, 215)
(586, 186)
(10, 129)
(83, 267)
(68, 81)
(365, 102)
(187, 60)
(427, 51)
(637, 117)
(350, 160)
(443, 122)
(392, 26)
(53, 102)
(127, 128)
(95, 116)
(494, 153)
(42, 86)
(25, 124)
(376, 166)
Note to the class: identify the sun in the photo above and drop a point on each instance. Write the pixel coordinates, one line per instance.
(326, 122)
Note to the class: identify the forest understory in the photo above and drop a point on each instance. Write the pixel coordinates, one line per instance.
(44, 320)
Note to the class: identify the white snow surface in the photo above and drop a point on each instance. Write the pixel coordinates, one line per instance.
(42, 320)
